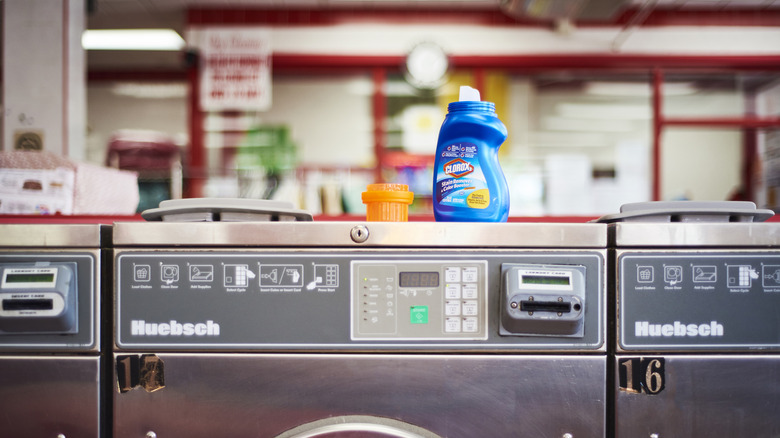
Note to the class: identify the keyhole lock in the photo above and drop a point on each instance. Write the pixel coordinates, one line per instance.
(359, 234)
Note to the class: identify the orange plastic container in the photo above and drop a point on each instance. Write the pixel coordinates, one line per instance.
(387, 202)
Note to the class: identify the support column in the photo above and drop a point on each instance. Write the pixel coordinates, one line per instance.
(658, 126)
(44, 86)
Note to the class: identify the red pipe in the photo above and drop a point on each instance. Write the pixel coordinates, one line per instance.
(658, 80)
(317, 63)
(197, 151)
(284, 62)
(747, 122)
(454, 14)
(617, 62)
(749, 158)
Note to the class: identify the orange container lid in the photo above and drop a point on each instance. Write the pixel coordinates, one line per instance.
(388, 193)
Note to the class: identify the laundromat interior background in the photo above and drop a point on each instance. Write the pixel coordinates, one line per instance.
(606, 102)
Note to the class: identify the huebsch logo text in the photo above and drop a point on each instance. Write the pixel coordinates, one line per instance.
(173, 328)
(677, 329)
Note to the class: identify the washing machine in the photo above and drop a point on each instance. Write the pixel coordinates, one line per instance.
(294, 328)
(697, 346)
(50, 320)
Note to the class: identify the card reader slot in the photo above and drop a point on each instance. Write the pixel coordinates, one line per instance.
(542, 300)
(540, 313)
(559, 306)
(39, 296)
(28, 304)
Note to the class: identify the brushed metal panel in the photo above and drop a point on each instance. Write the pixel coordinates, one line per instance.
(263, 395)
(705, 396)
(50, 235)
(680, 235)
(380, 234)
(49, 396)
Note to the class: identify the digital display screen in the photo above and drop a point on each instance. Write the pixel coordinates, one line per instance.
(44, 277)
(544, 279)
(418, 279)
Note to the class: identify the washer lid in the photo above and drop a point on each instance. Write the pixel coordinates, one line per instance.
(689, 211)
(225, 210)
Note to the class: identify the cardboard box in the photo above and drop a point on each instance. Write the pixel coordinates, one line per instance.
(44, 183)
(32, 191)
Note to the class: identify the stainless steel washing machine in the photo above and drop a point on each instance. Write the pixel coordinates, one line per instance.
(50, 352)
(303, 329)
(698, 325)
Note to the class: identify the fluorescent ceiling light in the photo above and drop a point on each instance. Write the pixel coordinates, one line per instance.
(632, 89)
(555, 123)
(600, 111)
(547, 139)
(131, 39)
(399, 88)
(150, 90)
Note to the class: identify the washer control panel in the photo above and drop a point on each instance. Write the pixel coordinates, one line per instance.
(420, 300)
(702, 300)
(301, 299)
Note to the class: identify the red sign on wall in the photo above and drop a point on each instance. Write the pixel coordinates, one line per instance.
(235, 69)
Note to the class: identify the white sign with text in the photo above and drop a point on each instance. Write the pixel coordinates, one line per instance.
(235, 69)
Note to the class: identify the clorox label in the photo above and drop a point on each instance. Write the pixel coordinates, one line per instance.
(459, 180)
(458, 168)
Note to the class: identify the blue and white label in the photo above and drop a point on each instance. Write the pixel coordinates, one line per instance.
(459, 179)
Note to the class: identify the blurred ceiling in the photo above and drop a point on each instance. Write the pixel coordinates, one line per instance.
(172, 13)
(124, 14)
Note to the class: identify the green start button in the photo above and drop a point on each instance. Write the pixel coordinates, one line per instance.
(419, 315)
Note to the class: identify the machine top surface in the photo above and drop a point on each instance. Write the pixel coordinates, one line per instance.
(690, 234)
(51, 235)
(362, 234)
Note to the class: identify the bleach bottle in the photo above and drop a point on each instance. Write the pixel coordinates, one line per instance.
(468, 183)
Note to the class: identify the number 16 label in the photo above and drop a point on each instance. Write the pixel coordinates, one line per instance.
(642, 375)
